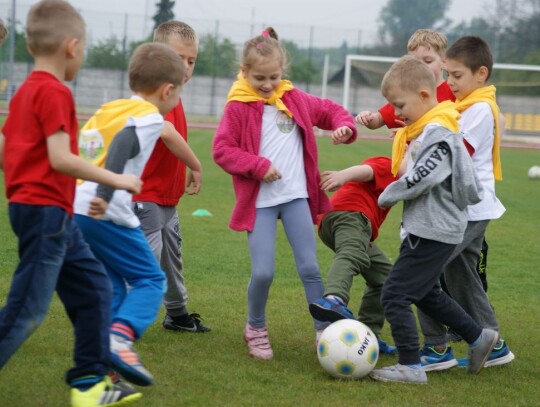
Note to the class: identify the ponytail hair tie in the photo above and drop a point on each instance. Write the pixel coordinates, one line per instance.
(265, 33)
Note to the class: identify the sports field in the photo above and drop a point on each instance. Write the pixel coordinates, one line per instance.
(214, 369)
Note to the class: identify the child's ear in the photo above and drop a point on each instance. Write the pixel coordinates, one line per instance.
(71, 46)
(424, 95)
(167, 90)
(482, 74)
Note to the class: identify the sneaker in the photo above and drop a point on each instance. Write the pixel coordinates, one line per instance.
(115, 379)
(500, 355)
(188, 322)
(103, 393)
(330, 309)
(258, 342)
(125, 361)
(433, 360)
(400, 374)
(478, 355)
(385, 349)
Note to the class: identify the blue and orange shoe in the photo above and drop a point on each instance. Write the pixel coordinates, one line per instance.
(125, 361)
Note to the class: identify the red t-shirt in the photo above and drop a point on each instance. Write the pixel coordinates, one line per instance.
(164, 176)
(363, 196)
(42, 106)
(387, 111)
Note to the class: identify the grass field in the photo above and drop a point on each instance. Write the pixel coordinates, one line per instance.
(214, 369)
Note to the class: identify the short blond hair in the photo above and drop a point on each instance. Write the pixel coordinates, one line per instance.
(50, 23)
(175, 30)
(152, 65)
(408, 74)
(430, 39)
(3, 31)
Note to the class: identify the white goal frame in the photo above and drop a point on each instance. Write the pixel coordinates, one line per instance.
(372, 58)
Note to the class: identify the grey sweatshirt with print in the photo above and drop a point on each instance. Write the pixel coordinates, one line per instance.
(437, 189)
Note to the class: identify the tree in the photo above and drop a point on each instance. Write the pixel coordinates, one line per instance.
(164, 12)
(399, 19)
(216, 59)
(107, 54)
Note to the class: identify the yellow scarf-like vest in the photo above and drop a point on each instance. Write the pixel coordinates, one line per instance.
(444, 113)
(487, 94)
(242, 91)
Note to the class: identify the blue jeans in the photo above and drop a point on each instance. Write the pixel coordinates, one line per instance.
(54, 256)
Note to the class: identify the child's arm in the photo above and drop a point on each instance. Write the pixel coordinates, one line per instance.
(332, 180)
(2, 142)
(64, 161)
(369, 119)
(432, 167)
(181, 150)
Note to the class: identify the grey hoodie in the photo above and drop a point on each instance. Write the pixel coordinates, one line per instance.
(437, 189)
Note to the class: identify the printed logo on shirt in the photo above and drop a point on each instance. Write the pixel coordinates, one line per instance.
(284, 123)
(422, 170)
(91, 144)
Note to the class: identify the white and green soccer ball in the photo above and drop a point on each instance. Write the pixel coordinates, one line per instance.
(348, 349)
(534, 172)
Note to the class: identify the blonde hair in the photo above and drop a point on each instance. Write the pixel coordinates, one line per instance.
(3, 31)
(263, 45)
(408, 74)
(50, 23)
(430, 39)
(152, 65)
(175, 30)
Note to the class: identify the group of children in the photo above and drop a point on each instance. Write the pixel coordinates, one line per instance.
(110, 243)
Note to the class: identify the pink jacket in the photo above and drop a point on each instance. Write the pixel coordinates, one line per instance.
(236, 149)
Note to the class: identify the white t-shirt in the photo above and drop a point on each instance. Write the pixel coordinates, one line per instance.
(477, 124)
(281, 143)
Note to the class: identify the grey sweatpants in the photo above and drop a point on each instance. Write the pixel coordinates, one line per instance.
(464, 285)
(162, 230)
(297, 222)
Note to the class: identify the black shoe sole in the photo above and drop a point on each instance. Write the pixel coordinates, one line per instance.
(324, 314)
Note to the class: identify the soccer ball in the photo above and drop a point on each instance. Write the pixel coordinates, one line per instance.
(534, 172)
(348, 349)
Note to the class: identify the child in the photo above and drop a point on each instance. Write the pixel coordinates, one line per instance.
(436, 192)
(38, 154)
(350, 230)
(469, 64)
(429, 47)
(121, 137)
(265, 140)
(164, 183)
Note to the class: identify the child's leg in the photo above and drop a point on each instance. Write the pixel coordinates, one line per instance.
(371, 311)
(462, 279)
(262, 241)
(85, 290)
(127, 256)
(298, 225)
(413, 276)
(43, 241)
(348, 235)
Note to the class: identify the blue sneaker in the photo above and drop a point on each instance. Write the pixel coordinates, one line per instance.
(433, 360)
(385, 349)
(500, 355)
(330, 309)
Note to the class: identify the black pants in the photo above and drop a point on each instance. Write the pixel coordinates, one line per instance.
(414, 280)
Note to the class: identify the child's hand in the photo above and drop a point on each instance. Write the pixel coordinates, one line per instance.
(193, 182)
(341, 135)
(365, 118)
(97, 208)
(272, 174)
(332, 180)
(130, 183)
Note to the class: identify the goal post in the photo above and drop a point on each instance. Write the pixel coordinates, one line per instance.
(522, 112)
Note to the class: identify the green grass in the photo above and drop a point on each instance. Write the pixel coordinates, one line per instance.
(214, 370)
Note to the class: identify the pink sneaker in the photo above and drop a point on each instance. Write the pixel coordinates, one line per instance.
(258, 342)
